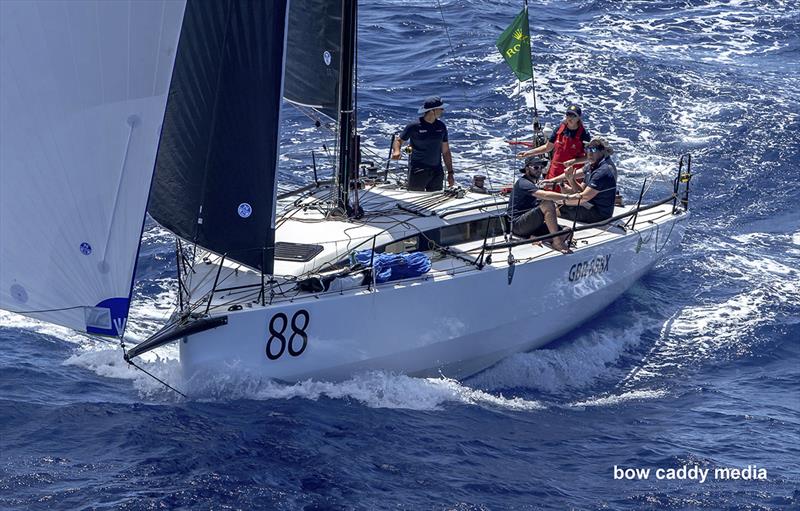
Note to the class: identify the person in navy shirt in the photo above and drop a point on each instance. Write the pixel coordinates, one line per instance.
(429, 145)
(593, 200)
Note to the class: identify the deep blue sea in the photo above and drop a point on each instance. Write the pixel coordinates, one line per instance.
(697, 365)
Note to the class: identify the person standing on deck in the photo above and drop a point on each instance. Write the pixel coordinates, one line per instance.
(568, 142)
(429, 145)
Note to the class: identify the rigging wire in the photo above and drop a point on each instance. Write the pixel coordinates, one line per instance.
(317, 122)
(148, 373)
(47, 310)
(536, 126)
(470, 119)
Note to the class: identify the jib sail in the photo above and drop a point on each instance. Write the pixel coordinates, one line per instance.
(215, 174)
(83, 89)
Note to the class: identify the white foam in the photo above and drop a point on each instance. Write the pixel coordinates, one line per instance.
(574, 364)
(9, 319)
(103, 362)
(155, 234)
(755, 290)
(729, 34)
(109, 363)
(374, 389)
(616, 399)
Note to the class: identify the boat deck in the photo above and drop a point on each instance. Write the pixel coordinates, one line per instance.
(392, 215)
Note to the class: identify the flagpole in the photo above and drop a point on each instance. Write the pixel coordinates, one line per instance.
(537, 127)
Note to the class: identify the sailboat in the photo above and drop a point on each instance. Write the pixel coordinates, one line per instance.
(112, 109)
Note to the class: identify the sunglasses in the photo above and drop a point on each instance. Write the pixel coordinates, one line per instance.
(571, 114)
(594, 149)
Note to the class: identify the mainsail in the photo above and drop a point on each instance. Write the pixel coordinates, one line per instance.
(214, 183)
(313, 60)
(83, 89)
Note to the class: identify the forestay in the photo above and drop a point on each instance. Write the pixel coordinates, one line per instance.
(83, 88)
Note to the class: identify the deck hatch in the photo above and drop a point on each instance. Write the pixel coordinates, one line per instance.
(299, 252)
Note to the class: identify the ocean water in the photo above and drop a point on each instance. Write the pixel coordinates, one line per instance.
(697, 365)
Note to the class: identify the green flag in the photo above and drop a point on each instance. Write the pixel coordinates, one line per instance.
(515, 46)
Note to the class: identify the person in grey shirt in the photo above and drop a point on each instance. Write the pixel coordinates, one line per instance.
(429, 145)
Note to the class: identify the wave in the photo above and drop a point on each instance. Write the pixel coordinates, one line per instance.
(616, 399)
(744, 286)
(374, 389)
(574, 364)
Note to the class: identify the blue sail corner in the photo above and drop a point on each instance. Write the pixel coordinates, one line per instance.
(108, 317)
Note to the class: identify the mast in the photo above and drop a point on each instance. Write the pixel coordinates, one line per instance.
(348, 150)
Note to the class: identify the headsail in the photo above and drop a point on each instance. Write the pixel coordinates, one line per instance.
(215, 173)
(83, 88)
(313, 59)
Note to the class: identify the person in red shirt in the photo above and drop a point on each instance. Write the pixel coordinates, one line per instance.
(566, 142)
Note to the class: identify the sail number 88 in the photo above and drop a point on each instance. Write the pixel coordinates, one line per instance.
(296, 343)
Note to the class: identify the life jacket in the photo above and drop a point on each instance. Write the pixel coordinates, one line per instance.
(566, 148)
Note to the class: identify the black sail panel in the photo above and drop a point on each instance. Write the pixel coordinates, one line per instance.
(215, 172)
(313, 54)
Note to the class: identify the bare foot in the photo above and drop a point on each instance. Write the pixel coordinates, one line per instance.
(561, 247)
(556, 245)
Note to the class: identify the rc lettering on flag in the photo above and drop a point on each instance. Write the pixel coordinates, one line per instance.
(515, 46)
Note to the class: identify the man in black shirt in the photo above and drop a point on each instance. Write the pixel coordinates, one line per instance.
(429, 145)
(529, 208)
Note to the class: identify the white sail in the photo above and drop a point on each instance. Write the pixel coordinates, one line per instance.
(83, 90)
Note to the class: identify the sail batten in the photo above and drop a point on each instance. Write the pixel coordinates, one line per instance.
(83, 90)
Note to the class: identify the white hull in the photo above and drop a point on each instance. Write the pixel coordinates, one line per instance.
(447, 323)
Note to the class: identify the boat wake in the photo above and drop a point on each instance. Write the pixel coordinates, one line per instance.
(615, 399)
(374, 389)
(573, 364)
(748, 287)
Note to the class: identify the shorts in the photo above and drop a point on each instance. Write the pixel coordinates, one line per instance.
(425, 179)
(528, 223)
(584, 215)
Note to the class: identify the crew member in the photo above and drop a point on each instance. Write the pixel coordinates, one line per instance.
(568, 142)
(593, 200)
(429, 145)
(528, 208)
